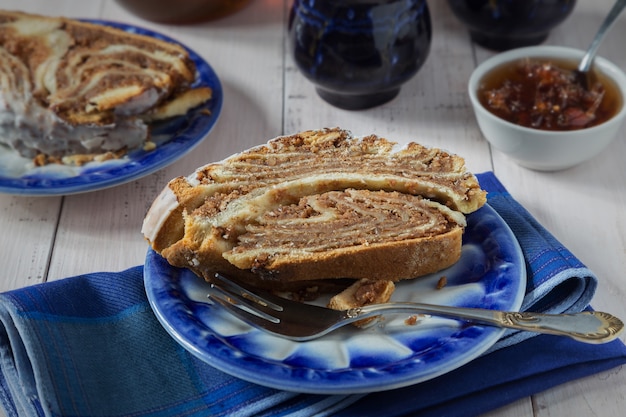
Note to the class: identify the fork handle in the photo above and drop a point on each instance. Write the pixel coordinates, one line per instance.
(587, 326)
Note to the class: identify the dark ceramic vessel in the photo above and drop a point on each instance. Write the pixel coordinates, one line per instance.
(358, 53)
(506, 24)
(180, 12)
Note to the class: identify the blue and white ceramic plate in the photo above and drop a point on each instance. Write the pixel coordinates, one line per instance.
(174, 137)
(391, 354)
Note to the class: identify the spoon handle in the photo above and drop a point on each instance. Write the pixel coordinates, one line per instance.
(587, 60)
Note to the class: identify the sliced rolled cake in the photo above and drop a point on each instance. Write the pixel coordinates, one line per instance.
(72, 89)
(317, 205)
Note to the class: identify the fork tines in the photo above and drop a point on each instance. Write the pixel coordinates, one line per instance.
(241, 302)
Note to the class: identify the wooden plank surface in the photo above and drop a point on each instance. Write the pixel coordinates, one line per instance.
(265, 96)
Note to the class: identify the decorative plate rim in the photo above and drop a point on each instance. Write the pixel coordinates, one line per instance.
(171, 294)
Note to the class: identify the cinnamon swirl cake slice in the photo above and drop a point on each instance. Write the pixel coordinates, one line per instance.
(69, 87)
(317, 205)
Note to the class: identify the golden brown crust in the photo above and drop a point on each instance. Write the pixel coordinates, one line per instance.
(363, 292)
(392, 261)
(179, 105)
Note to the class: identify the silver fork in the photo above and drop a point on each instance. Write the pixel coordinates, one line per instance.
(300, 322)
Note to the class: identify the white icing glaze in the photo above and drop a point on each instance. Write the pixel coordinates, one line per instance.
(160, 210)
(28, 127)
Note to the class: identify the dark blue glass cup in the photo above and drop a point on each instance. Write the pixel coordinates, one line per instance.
(506, 24)
(358, 53)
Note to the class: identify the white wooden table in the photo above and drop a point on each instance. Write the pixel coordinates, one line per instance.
(49, 238)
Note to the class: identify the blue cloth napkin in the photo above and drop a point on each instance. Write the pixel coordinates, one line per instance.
(557, 282)
(90, 346)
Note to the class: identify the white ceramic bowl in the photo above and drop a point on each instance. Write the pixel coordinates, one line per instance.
(540, 149)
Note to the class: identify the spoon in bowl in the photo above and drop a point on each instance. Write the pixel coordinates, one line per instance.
(582, 72)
